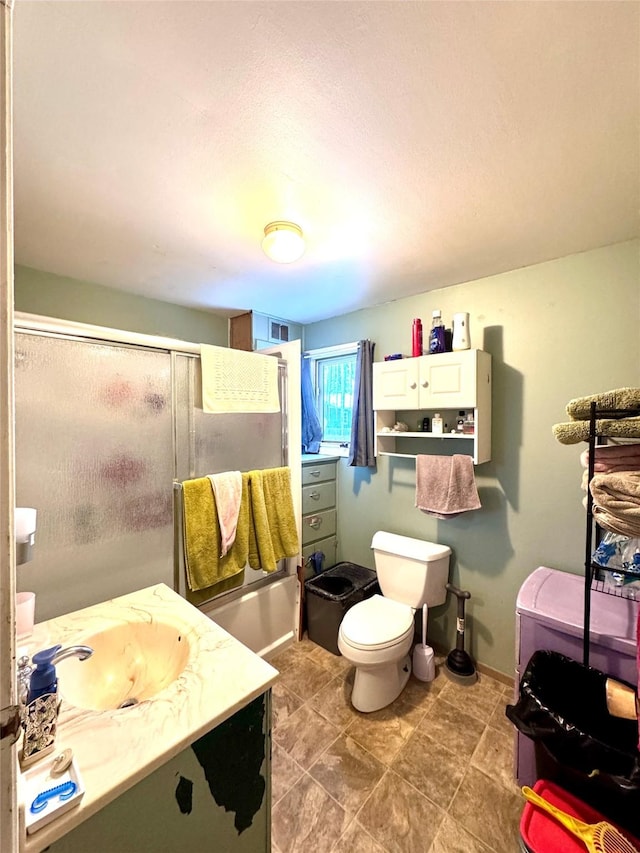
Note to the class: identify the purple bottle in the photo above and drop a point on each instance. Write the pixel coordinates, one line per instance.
(436, 337)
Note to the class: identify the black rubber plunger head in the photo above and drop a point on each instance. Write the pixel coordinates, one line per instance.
(458, 666)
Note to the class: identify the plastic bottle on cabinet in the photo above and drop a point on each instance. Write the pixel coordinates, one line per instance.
(416, 338)
(437, 337)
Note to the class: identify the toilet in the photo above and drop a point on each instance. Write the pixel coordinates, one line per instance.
(377, 634)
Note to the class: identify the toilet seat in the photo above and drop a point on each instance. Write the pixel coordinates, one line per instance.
(377, 623)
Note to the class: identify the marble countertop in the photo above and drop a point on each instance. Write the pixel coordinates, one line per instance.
(115, 749)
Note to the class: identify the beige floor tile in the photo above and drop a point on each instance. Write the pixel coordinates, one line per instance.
(488, 811)
(399, 818)
(348, 772)
(416, 692)
(478, 700)
(499, 720)
(451, 727)
(382, 733)
(334, 703)
(494, 757)
(304, 735)
(336, 664)
(307, 818)
(356, 840)
(284, 659)
(284, 772)
(452, 838)
(284, 703)
(432, 768)
(305, 678)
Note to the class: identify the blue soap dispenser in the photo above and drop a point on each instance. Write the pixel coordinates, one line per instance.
(43, 678)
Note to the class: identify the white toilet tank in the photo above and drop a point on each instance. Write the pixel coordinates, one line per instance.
(411, 571)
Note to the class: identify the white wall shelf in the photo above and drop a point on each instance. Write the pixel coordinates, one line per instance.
(406, 389)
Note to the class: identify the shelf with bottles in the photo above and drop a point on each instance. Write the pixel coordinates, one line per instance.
(408, 443)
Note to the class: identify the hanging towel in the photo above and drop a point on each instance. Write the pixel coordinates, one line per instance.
(227, 492)
(445, 485)
(238, 381)
(201, 533)
(619, 398)
(273, 533)
(575, 431)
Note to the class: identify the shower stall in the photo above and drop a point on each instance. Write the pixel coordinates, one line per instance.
(108, 425)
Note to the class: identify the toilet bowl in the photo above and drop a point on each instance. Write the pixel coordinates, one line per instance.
(376, 635)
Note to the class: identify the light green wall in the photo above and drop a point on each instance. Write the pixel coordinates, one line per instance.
(38, 292)
(556, 330)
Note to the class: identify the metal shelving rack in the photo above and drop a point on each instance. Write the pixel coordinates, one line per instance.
(596, 577)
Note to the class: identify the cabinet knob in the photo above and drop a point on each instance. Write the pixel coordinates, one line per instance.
(413, 385)
(425, 384)
(314, 495)
(314, 473)
(315, 522)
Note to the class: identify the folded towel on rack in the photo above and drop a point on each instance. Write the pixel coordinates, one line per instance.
(616, 502)
(445, 485)
(238, 381)
(618, 398)
(201, 534)
(273, 534)
(227, 493)
(611, 457)
(575, 431)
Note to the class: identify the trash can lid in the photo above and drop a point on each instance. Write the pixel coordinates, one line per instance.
(406, 546)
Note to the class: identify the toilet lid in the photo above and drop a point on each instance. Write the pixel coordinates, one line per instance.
(376, 622)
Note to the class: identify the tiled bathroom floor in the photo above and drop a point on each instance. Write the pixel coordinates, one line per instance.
(431, 773)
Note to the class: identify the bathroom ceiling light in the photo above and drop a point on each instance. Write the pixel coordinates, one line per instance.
(283, 242)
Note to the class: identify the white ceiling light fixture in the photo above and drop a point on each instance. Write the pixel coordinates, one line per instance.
(283, 242)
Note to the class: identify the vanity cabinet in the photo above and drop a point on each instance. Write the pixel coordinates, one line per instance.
(409, 389)
(319, 513)
(214, 795)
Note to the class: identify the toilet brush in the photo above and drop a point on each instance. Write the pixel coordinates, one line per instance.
(424, 666)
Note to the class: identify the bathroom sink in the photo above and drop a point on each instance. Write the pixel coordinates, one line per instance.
(131, 662)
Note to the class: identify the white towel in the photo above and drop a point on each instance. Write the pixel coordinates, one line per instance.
(227, 493)
(237, 381)
(445, 485)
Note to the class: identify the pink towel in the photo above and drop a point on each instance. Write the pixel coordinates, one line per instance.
(446, 485)
(227, 492)
(613, 457)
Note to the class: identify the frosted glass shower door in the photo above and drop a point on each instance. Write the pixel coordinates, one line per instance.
(94, 455)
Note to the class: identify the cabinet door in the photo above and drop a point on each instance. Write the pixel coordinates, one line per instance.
(395, 384)
(448, 380)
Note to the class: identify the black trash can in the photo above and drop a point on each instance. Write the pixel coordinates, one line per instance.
(562, 707)
(329, 595)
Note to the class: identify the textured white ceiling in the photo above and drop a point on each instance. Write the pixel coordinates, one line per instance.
(418, 144)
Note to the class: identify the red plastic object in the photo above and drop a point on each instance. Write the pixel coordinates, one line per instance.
(543, 834)
(416, 338)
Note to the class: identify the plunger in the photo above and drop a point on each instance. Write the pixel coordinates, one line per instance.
(458, 665)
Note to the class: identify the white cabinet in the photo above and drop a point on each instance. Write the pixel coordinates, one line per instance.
(447, 383)
(253, 331)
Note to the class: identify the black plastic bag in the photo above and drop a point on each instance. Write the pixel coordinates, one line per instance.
(562, 707)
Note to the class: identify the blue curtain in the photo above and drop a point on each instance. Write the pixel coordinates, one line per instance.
(311, 426)
(361, 447)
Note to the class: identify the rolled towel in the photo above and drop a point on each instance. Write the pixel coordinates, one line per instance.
(616, 502)
(576, 431)
(619, 398)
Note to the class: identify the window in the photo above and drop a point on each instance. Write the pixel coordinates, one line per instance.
(334, 372)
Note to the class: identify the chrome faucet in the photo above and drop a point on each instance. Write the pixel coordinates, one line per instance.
(80, 652)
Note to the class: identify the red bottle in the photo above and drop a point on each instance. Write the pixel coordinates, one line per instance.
(416, 338)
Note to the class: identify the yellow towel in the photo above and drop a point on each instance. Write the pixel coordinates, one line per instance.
(273, 532)
(203, 562)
